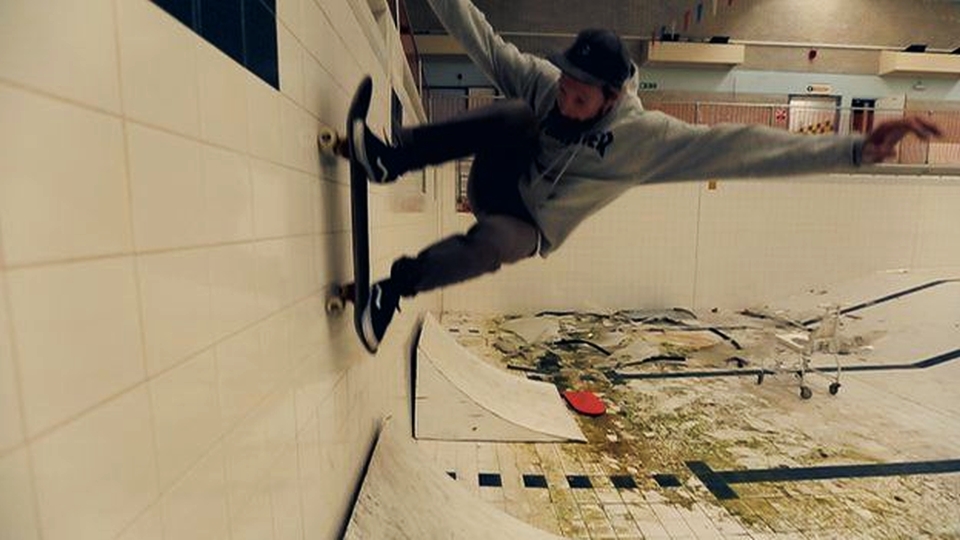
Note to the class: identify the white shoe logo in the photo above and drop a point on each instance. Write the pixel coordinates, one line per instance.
(378, 293)
(383, 169)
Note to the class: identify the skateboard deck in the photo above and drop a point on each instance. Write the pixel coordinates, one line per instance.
(358, 291)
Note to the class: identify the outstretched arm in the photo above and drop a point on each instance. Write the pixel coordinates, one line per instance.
(516, 74)
(675, 150)
(881, 140)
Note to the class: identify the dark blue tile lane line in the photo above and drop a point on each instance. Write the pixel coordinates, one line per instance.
(884, 299)
(920, 364)
(718, 482)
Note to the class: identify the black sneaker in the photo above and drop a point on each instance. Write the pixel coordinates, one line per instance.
(378, 313)
(373, 154)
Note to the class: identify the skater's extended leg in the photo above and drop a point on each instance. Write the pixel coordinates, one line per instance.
(500, 128)
(494, 241)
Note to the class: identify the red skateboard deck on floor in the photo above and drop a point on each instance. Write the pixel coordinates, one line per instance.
(584, 402)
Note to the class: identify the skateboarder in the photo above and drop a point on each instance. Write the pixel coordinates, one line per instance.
(572, 138)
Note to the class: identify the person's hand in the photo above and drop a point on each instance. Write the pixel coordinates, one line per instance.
(883, 138)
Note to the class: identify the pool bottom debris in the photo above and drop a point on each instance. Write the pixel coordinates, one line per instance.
(659, 418)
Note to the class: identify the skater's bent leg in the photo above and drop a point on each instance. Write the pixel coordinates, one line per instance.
(498, 128)
(494, 241)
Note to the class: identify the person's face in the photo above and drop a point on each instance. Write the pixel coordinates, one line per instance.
(578, 100)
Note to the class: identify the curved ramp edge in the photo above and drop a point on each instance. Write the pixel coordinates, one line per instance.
(403, 496)
(461, 397)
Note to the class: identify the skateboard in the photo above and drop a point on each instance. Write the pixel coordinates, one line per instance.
(331, 142)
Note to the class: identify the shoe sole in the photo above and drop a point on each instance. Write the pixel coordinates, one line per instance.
(370, 340)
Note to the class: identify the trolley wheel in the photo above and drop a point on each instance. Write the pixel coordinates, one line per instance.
(337, 298)
(834, 388)
(805, 392)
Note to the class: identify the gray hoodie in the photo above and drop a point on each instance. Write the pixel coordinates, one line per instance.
(570, 180)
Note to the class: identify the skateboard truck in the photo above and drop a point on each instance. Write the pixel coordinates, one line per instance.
(338, 296)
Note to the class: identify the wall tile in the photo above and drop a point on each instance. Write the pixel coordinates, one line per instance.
(177, 317)
(306, 329)
(289, 13)
(168, 193)
(233, 274)
(275, 345)
(18, 517)
(938, 232)
(95, 475)
(186, 409)
(272, 185)
(305, 279)
(263, 112)
(291, 59)
(239, 367)
(246, 460)
(196, 507)
(282, 201)
(63, 188)
(228, 196)
(149, 526)
(285, 497)
(42, 46)
(320, 91)
(158, 68)
(312, 482)
(223, 98)
(299, 138)
(11, 428)
(78, 336)
(255, 520)
(281, 424)
(274, 275)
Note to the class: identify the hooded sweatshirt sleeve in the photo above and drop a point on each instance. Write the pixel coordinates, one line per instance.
(516, 74)
(675, 150)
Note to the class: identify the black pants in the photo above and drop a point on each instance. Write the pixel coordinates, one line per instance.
(502, 137)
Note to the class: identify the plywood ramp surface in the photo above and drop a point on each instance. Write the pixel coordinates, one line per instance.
(404, 497)
(461, 397)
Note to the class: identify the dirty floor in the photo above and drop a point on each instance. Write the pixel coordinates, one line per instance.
(711, 433)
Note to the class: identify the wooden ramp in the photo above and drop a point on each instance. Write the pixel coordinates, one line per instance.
(404, 497)
(461, 397)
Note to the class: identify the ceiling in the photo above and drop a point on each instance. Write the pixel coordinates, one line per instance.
(541, 26)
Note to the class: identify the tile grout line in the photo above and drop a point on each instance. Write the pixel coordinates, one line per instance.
(156, 127)
(25, 441)
(150, 377)
(135, 264)
(177, 250)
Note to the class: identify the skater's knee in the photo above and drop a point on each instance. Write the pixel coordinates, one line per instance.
(507, 238)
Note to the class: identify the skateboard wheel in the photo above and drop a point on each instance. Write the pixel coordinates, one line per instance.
(334, 305)
(336, 299)
(327, 139)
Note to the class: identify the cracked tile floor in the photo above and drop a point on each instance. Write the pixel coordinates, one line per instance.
(659, 420)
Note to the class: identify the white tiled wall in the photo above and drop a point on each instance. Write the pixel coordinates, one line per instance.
(167, 370)
(744, 243)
